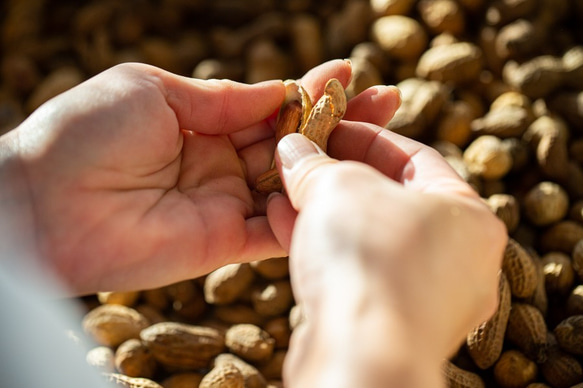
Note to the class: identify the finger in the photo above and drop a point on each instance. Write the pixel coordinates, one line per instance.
(402, 159)
(299, 162)
(257, 159)
(375, 105)
(249, 136)
(261, 242)
(256, 146)
(217, 107)
(314, 81)
(281, 216)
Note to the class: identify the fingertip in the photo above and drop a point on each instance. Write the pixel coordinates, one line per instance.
(348, 61)
(293, 148)
(298, 160)
(396, 94)
(375, 105)
(314, 81)
(273, 197)
(281, 217)
(270, 84)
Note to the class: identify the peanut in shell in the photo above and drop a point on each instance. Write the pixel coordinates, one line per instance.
(486, 341)
(520, 270)
(183, 347)
(224, 376)
(514, 370)
(316, 122)
(112, 324)
(457, 377)
(528, 331)
(569, 334)
(561, 370)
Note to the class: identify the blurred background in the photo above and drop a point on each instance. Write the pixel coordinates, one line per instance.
(49, 45)
(496, 86)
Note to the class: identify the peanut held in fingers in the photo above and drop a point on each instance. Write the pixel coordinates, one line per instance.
(316, 122)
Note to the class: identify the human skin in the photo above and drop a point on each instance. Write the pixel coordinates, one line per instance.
(393, 258)
(139, 178)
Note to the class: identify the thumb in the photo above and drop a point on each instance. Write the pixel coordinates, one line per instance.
(299, 163)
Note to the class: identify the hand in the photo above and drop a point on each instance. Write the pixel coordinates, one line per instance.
(139, 178)
(393, 258)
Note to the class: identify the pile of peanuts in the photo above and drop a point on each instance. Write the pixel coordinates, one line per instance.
(496, 86)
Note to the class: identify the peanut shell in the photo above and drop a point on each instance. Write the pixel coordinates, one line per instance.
(253, 378)
(421, 104)
(574, 304)
(536, 77)
(528, 331)
(272, 269)
(133, 359)
(442, 16)
(102, 358)
(391, 7)
(562, 236)
(250, 342)
(455, 123)
(577, 259)
(279, 329)
(456, 63)
(226, 284)
(486, 158)
(486, 341)
(546, 203)
(111, 324)
(273, 368)
(514, 370)
(120, 380)
(457, 377)
(569, 334)
(520, 270)
(561, 370)
(505, 122)
(539, 298)
(506, 209)
(273, 298)
(400, 36)
(127, 298)
(325, 114)
(559, 273)
(238, 313)
(182, 380)
(180, 346)
(223, 376)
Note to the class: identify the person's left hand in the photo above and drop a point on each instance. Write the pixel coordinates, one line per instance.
(139, 178)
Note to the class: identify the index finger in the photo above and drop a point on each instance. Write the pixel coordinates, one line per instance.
(404, 160)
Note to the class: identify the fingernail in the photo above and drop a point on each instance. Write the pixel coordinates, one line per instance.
(292, 148)
(397, 90)
(348, 61)
(271, 82)
(271, 196)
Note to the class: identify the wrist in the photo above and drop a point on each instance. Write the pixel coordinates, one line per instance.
(361, 347)
(380, 352)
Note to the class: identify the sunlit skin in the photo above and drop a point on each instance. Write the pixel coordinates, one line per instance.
(139, 178)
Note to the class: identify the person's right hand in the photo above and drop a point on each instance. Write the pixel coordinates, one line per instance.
(393, 258)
